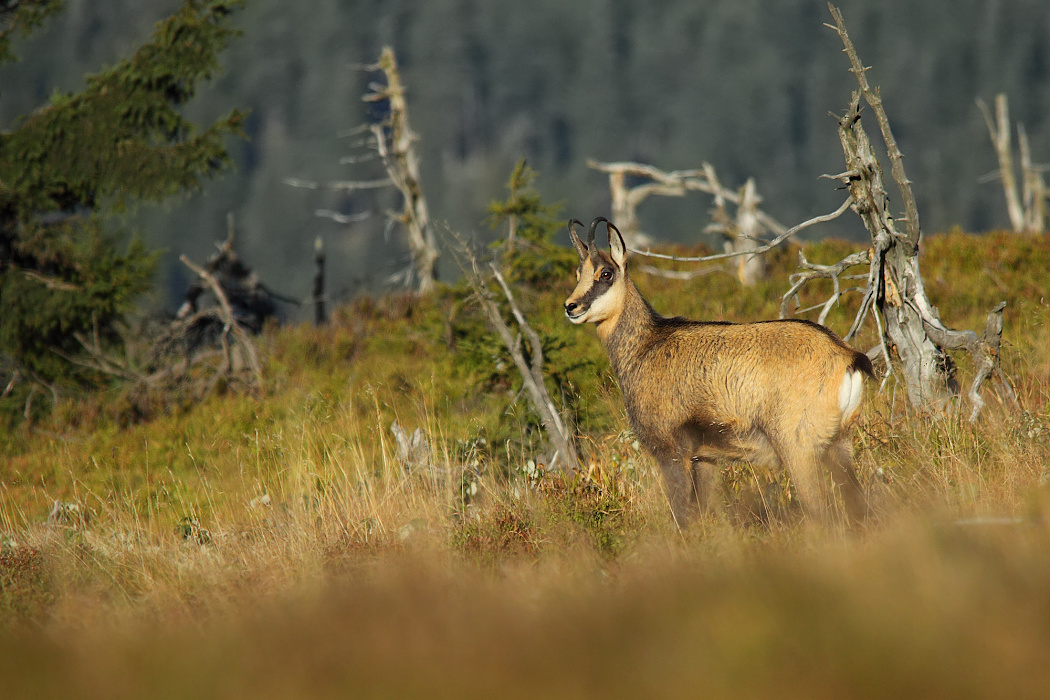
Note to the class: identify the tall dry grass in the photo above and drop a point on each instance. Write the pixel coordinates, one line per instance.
(281, 548)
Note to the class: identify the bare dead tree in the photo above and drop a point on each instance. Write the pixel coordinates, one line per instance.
(197, 351)
(1034, 190)
(894, 289)
(531, 368)
(237, 348)
(625, 199)
(1026, 208)
(251, 300)
(208, 342)
(743, 231)
(320, 317)
(392, 142)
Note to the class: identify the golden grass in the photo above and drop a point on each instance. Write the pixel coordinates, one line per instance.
(277, 547)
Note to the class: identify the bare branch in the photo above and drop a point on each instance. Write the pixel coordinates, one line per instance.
(345, 185)
(342, 218)
(51, 283)
(230, 323)
(16, 376)
(754, 251)
(811, 271)
(104, 362)
(531, 373)
(682, 274)
(874, 100)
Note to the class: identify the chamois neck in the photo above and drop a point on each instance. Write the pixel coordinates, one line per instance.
(628, 331)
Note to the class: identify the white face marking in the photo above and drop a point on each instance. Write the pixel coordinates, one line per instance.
(605, 306)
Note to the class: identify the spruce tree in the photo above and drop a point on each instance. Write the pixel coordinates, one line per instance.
(69, 166)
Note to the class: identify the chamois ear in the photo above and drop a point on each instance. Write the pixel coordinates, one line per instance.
(581, 249)
(616, 245)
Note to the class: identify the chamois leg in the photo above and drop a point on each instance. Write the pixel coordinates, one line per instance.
(705, 475)
(679, 489)
(801, 466)
(839, 459)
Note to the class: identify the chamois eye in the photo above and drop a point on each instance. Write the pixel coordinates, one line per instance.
(607, 275)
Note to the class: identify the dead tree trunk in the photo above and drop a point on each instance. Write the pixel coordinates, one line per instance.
(320, 317)
(745, 235)
(895, 288)
(1000, 133)
(530, 369)
(394, 140)
(1034, 187)
(1027, 208)
(1034, 192)
(895, 283)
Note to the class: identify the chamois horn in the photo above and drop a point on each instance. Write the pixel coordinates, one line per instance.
(593, 249)
(576, 242)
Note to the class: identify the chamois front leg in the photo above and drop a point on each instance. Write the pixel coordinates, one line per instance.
(675, 468)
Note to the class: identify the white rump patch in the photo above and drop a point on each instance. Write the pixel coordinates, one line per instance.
(850, 393)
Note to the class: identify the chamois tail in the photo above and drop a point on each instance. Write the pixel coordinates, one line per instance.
(852, 388)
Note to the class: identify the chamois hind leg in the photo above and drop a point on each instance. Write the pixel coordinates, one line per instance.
(839, 459)
(706, 487)
(801, 466)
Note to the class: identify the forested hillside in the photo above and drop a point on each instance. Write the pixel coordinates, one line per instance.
(744, 85)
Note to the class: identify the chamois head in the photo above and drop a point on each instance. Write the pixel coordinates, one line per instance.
(601, 278)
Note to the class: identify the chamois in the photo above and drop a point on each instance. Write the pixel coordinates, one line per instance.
(697, 392)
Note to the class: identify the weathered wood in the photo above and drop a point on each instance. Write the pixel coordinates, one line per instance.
(1033, 192)
(999, 131)
(231, 327)
(895, 288)
(320, 317)
(743, 231)
(788, 233)
(531, 370)
(747, 237)
(394, 141)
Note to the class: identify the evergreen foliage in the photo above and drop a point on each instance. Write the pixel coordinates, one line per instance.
(534, 256)
(21, 17)
(71, 164)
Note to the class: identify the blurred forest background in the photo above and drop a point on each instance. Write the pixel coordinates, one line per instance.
(744, 85)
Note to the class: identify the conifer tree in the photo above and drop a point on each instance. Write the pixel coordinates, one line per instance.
(66, 168)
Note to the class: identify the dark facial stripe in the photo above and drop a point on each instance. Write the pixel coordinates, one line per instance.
(597, 289)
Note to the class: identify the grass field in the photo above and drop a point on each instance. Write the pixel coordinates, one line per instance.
(276, 545)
